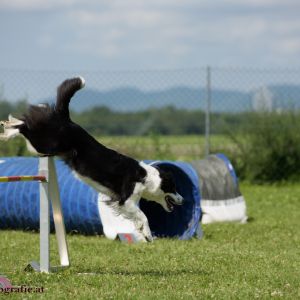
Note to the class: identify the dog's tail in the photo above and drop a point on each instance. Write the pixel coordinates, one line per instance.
(65, 92)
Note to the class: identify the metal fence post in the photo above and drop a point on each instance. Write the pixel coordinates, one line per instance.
(207, 112)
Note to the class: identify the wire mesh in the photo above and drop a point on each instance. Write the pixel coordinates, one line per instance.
(182, 102)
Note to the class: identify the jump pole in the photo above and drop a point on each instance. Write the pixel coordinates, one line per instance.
(49, 192)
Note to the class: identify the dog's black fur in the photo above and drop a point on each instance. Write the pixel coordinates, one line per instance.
(51, 132)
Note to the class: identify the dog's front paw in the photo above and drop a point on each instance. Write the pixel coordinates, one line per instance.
(149, 238)
(147, 233)
(144, 231)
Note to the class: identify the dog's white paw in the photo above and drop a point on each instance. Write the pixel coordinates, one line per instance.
(148, 235)
(9, 128)
(144, 230)
(12, 121)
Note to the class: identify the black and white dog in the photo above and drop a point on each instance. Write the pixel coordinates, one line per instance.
(49, 131)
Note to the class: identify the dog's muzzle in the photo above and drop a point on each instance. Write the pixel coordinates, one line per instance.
(173, 199)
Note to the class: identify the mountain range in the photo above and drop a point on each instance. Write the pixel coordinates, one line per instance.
(132, 99)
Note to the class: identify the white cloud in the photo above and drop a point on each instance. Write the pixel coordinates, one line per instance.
(257, 3)
(182, 28)
(45, 41)
(289, 46)
(168, 30)
(108, 18)
(130, 29)
(33, 5)
(286, 27)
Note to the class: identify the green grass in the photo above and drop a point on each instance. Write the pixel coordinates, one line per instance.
(183, 147)
(260, 259)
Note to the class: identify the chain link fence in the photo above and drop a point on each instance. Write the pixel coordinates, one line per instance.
(187, 109)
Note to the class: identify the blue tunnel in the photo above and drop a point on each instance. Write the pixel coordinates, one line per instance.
(19, 201)
(184, 220)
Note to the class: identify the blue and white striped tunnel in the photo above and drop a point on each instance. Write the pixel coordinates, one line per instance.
(19, 201)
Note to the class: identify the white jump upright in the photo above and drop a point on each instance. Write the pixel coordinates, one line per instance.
(49, 192)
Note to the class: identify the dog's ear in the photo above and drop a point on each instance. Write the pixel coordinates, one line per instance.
(65, 92)
(168, 182)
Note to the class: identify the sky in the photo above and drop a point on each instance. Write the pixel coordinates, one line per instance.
(153, 34)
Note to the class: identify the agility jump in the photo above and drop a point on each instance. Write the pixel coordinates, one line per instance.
(49, 191)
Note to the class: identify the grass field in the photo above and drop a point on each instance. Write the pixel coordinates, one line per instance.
(184, 147)
(260, 259)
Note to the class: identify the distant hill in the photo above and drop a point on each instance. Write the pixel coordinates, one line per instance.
(133, 99)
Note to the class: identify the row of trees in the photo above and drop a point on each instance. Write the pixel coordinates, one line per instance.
(7, 108)
(163, 121)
